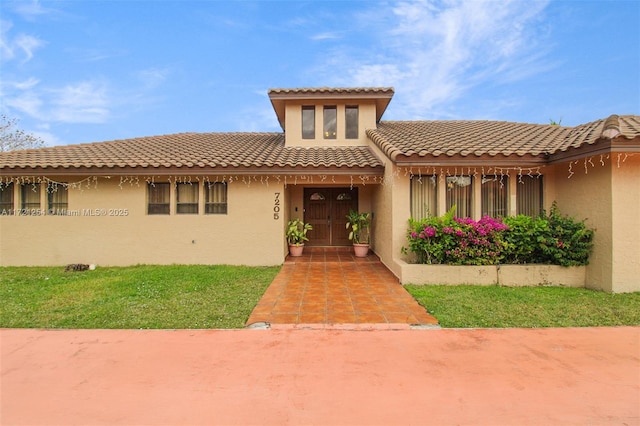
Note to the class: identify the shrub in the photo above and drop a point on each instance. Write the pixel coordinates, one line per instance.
(553, 239)
(568, 242)
(457, 241)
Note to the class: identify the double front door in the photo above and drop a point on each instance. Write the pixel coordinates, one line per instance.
(326, 210)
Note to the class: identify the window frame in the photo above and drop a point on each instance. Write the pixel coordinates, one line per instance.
(520, 197)
(330, 122)
(216, 208)
(159, 208)
(488, 186)
(418, 189)
(31, 208)
(308, 122)
(7, 199)
(453, 192)
(183, 207)
(351, 129)
(57, 208)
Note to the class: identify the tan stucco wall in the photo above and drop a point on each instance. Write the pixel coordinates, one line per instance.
(608, 197)
(293, 123)
(626, 228)
(248, 235)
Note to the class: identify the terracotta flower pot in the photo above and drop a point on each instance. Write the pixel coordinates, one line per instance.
(295, 250)
(361, 250)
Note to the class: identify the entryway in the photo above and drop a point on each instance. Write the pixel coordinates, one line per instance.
(326, 210)
(328, 285)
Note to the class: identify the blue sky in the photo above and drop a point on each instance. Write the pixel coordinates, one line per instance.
(87, 71)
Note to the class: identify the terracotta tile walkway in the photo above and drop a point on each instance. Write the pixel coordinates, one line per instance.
(331, 286)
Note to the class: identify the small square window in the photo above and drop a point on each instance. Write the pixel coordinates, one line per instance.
(216, 198)
(57, 200)
(187, 198)
(495, 196)
(30, 199)
(158, 198)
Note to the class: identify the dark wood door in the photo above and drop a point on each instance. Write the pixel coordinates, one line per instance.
(326, 210)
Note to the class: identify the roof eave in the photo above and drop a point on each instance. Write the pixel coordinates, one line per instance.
(603, 146)
(471, 161)
(191, 171)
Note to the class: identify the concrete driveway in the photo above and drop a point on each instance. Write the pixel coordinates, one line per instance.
(321, 375)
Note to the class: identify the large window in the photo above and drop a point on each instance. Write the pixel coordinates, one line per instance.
(187, 198)
(330, 122)
(6, 199)
(529, 195)
(495, 196)
(216, 198)
(158, 198)
(459, 192)
(351, 120)
(424, 197)
(308, 122)
(30, 199)
(57, 199)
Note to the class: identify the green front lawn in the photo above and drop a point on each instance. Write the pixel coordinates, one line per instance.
(498, 307)
(179, 296)
(173, 296)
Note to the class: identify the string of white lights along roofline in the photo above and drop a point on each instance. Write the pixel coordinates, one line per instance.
(427, 172)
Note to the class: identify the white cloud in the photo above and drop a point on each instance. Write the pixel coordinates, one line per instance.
(325, 36)
(27, 44)
(434, 52)
(30, 8)
(22, 42)
(153, 77)
(84, 102)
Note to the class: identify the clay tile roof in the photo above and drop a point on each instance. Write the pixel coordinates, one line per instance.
(333, 91)
(463, 138)
(624, 126)
(190, 151)
(404, 139)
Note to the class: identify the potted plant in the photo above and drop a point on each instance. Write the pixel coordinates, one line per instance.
(296, 236)
(359, 234)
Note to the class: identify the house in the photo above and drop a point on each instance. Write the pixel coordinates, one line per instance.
(225, 198)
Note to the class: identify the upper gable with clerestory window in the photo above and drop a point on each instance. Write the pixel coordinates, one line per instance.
(329, 116)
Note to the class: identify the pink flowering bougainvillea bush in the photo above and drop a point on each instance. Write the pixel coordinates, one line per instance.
(555, 239)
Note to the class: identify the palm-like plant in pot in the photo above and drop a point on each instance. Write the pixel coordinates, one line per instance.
(296, 236)
(360, 224)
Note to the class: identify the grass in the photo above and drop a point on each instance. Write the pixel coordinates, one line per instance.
(193, 297)
(175, 296)
(502, 307)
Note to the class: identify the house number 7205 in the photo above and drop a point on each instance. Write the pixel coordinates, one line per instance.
(276, 206)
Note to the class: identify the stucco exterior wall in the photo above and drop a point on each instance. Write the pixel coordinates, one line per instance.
(608, 197)
(293, 122)
(249, 234)
(625, 193)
